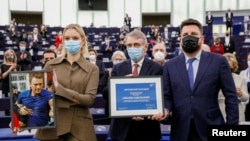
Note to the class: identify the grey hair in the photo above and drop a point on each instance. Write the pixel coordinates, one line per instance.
(137, 34)
(118, 52)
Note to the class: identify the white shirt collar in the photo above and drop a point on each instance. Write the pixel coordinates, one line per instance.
(197, 56)
(139, 63)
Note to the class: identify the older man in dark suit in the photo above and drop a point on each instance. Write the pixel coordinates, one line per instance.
(191, 83)
(136, 128)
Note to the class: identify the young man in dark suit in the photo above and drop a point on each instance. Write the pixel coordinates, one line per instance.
(191, 88)
(136, 128)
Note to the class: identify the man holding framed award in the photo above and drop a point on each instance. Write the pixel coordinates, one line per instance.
(140, 126)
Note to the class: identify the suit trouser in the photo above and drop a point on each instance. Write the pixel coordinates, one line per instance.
(66, 137)
(193, 135)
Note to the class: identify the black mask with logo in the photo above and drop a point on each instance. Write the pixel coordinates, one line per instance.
(190, 44)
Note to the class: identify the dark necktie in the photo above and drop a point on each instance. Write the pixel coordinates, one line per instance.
(135, 71)
(191, 72)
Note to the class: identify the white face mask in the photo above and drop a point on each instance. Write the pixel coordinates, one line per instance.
(159, 56)
(248, 63)
(92, 57)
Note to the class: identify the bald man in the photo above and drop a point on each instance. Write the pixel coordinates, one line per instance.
(159, 53)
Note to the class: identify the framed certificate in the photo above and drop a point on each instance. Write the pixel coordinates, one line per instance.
(32, 99)
(135, 96)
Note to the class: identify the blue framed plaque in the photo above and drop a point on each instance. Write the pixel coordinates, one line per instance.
(135, 96)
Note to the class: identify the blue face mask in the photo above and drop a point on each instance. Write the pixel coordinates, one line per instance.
(135, 53)
(22, 48)
(72, 46)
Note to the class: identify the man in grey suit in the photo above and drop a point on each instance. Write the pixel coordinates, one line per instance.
(191, 88)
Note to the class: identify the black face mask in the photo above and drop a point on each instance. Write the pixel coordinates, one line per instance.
(190, 44)
(10, 58)
(227, 34)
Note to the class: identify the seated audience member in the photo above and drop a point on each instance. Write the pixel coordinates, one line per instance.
(205, 47)
(37, 38)
(23, 57)
(159, 40)
(48, 55)
(102, 72)
(217, 47)
(23, 35)
(151, 43)
(159, 53)
(58, 38)
(241, 88)
(43, 31)
(89, 44)
(229, 43)
(166, 36)
(107, 47)
(9, 65)
(33, 49)
(246, 75)
(154, 32)
(117, 57)
(211, 41)
(122, 47)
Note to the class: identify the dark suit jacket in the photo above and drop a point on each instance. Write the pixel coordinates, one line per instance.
(231, 47)
(108, 53)
(25, 64)
(229, 21)
(201, 103)
(147, 129)
(209, 21)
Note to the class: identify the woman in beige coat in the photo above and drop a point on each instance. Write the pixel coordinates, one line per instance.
(75, 81)
(241, 88)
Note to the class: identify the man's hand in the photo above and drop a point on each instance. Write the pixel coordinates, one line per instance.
(160, 116)
(138, 118)
(25, 111)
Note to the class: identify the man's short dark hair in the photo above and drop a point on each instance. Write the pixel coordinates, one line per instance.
(49, 51)
(191, 22)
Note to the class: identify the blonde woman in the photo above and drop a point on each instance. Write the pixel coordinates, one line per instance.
(9, 65)
(76, 81)
(241, 88)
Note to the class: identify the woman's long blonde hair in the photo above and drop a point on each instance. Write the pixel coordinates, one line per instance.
(79, 29)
